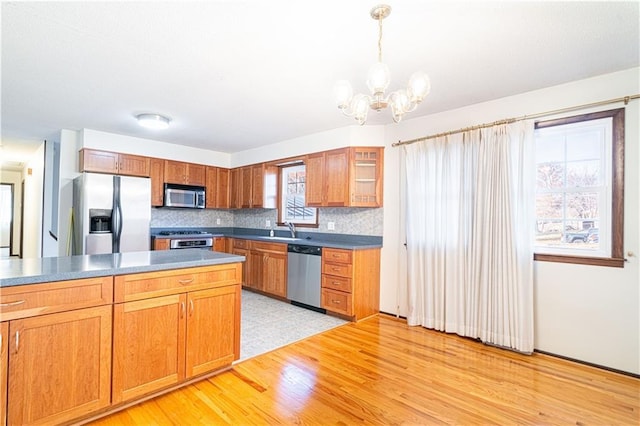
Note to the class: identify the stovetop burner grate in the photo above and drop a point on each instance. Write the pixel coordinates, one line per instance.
(183, 233)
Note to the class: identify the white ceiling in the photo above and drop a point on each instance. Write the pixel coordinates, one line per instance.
(234, 75)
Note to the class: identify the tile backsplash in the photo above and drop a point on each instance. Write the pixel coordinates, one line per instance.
(355, 221)
(188, 218)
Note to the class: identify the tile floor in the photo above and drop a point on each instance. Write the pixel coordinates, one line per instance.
(268, 324)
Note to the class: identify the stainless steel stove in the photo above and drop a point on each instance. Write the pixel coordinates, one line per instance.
(182, 239)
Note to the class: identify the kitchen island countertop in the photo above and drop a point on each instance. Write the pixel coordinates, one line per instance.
(48, 269)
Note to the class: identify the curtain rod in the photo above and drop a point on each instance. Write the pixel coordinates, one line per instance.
(624, 99)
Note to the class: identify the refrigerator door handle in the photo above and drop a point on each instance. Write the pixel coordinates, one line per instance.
(117, 215)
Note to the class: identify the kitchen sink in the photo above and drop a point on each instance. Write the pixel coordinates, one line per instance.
(282, 238)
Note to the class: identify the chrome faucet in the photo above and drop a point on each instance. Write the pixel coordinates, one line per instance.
(292, 229)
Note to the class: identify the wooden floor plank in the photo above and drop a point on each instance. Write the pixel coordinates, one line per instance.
(380, 371)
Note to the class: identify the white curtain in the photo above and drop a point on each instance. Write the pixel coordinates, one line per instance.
(469, 234)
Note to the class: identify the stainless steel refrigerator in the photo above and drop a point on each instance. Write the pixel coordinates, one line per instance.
(111, 214)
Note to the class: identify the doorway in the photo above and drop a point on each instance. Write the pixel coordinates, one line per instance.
(6, 220)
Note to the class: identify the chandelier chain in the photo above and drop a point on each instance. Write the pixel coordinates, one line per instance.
(380, 37)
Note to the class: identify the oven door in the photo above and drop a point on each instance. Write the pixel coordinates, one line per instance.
(185, 243)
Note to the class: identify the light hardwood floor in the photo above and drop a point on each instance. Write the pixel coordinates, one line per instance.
(381, 371)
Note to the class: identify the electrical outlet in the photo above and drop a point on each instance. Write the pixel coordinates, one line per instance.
(331, 226)
(218, 221)
(268, 224)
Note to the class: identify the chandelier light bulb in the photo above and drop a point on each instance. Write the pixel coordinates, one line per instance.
(343, 93)
(419, 86)
(378, 79)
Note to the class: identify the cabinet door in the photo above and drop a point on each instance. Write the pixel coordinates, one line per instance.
(337, 178)
(161, 243)
(175, 172)
(222, 189)
(235, 188)
(366, 177)
(245, 265)
(219, 244)
(275, 274)
(314, 189)
(133, 165)
(4, 359)
(246, 174)
(148, 345)
(60, 366)
(213, 329)
(257, 186)
(196, 174)
(255, 272)
(92, 160)
(156, 173)
(211, 185)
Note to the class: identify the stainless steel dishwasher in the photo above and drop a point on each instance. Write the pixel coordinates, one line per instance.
(304, 276)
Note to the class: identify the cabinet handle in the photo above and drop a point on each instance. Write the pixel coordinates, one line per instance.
(182, 309)
(17, 340)
(17, 302)
(186, 281)
(337, 302)
(335, 269)
(336, 283)
(191, 307)
(335, 255)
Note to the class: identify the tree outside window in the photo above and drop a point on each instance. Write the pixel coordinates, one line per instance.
(292, 201)
(579, 163)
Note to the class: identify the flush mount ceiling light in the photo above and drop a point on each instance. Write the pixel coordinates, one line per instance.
(401, 101)
(153, 121)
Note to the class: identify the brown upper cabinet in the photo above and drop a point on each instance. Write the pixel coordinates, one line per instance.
(346, 177)
(156, 173)
(184, 173)
(217, 184)
(93, 160)
(365, 184)
(248, 188)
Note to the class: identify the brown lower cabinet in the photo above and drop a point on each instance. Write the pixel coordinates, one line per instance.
(61, 341)
(172, 326)
(351, 282)
(56, 339)
(4, 360)
(265, 265)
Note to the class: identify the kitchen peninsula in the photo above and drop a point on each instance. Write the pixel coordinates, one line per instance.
(121, 327)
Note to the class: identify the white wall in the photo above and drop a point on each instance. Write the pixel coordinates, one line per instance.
(16, 179)
(69, 146)
(583, 312)
(33, 190)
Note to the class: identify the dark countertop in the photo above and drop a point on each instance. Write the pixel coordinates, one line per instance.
(317, 239)
(48, 269)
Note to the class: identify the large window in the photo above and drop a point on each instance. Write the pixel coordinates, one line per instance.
(579, 189)
(292, 204)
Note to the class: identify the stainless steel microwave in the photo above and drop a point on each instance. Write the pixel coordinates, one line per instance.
(185, 196)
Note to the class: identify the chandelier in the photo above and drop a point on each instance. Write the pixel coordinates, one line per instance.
(401, 101)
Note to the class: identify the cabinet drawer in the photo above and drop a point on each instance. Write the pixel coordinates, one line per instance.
(337, 255)
(238, 243)
(164, 283)
(278, 248)
(336, 283)
(38, 299)
(336, 301)
(338, 269)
